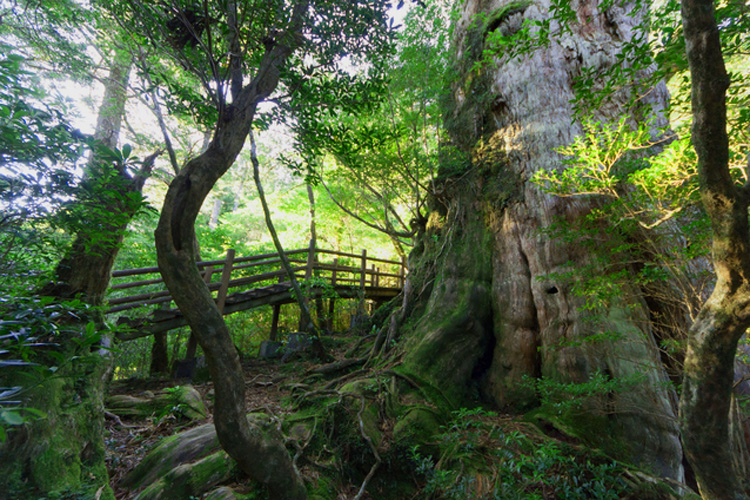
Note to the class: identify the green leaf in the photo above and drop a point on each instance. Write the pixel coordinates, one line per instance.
(11, 417)
(36, 412)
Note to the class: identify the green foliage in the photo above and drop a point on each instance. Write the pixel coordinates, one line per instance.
(378, 157)
(612, 161)
(51, 30)
(38, 152)
(568, 399)
(39, 337)
(483, 456)
(647, 229)
(216, 41)
(103, 201)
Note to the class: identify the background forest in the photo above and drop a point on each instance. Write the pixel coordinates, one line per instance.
(565, 182)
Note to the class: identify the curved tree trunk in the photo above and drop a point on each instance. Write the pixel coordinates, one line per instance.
(511, 313)
(261, 456)
(725, 317)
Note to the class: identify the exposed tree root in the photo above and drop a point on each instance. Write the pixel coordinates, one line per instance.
(336, 366)
(378, 461)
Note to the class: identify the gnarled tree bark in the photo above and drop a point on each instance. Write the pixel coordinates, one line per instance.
(262, 457)
(725, 317)
(487, 291)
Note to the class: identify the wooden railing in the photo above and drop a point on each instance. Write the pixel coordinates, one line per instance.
(372, 277)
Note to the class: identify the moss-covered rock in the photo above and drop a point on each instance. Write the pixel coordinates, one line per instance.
(191, 479)
(417, 425)
(221, 493)
(171, 453)
(188, 463)
(181, 400)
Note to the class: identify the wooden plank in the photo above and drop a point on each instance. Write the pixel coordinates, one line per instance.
(134, 272)
(355, 256)
(153, 270)
(133, 284)
(344, 279)
(274, 295)
(141, 297)
(256, 264)
(226, 276)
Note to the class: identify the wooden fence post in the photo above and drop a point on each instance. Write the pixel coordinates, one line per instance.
(208, 271)
(402, 274)
(363, 271)
(226, 275)
(275, 321)
(332, 299)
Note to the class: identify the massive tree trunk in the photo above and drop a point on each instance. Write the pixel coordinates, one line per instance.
(487, 290)
(66, 448)
(262, 456)
(725, 317)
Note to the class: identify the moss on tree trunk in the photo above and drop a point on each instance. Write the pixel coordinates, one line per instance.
(487, 305)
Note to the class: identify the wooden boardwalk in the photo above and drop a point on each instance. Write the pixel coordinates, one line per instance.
(248, 282)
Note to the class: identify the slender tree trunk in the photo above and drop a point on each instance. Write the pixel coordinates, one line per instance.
(215, 212)
(487, 295)
(305, 321)
(259, 454)
(313, 246)
(725, 317)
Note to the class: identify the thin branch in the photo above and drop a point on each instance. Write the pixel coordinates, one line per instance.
(305, 316)
(397, 234)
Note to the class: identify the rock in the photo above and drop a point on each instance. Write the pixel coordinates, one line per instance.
(192, 479)
(296, 343)
(187, 464)
(189, 402)
(171, 453)
(181, 400)
(269, 349)
(223, 493)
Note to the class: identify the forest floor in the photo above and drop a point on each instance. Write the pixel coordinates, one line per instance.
(529, 458)
(267, 383)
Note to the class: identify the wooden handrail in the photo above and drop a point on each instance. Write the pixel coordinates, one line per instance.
(153, 270)
(339, 274)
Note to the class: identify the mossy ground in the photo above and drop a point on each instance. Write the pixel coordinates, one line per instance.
(341, 424)
(60, 456)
